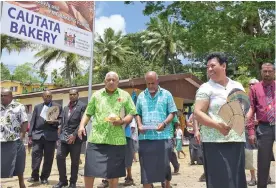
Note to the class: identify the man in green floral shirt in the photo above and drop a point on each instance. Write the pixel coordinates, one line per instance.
(111, 109)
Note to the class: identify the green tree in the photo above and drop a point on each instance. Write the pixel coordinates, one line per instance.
(137, 45)
(196, 68)
(135, 66)
(244, 30)
(25, 73)
(57, 79)
(81, 79)
(110, 49)
(5, 72)
(243, 76)
(71, 62)
(13, 44)
(72, 67)
(161, 38)
(43, 77)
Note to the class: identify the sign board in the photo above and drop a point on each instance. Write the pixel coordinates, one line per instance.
(65, 25)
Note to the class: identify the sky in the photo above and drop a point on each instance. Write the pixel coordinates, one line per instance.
(117, 15)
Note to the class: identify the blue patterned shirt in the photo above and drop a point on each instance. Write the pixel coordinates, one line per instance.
(154, 110)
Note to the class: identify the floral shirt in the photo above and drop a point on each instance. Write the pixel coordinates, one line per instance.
(154, 110)
(217, 95)
(12, 117)
(100, 107)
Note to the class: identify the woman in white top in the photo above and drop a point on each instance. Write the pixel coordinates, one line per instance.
(179, 140)
(223, 148)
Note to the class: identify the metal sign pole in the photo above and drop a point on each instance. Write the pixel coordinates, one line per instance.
(1, 6)
(92, 57)
(88, 127)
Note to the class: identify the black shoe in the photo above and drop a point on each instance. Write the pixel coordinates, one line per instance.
(60, 185)
(32, 180)
(202, 178)
(104, 184)
(269, 180)
(128, 181)
(72, 185)
(252, 183)
(176, 170)
(44, 182)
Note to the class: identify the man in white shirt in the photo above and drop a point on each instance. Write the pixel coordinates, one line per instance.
(13, 126)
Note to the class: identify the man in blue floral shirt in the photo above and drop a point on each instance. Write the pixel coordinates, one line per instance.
(156, 109)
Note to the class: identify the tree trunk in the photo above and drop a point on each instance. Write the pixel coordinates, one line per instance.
(173, 66)
(166, 60)
(173, 63)
(256, 64)
(164, 64)
(68, 75)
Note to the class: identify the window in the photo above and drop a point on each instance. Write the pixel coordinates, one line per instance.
(35, 89)
(13, 88)
(59, 102)
(84, 99)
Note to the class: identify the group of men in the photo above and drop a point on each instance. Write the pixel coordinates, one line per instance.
(112, 109)
(43, 135)
(107, 143)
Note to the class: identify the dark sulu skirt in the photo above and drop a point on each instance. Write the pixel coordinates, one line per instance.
(13, 156)
(154, 161)
(105, 161)
(224, 165)
(129, 153)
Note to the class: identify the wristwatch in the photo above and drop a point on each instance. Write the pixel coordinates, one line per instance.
(123, 122)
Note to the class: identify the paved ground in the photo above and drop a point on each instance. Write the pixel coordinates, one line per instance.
(186, 178)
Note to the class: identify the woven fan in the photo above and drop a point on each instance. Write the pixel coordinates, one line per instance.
(52, 113)
(233, 115)
(242, 97)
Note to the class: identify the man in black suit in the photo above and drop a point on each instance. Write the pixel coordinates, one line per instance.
(70, 143)
(44, 135)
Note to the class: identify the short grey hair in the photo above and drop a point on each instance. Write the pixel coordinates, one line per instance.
(253, 81)
(150, 73)
(111, 72)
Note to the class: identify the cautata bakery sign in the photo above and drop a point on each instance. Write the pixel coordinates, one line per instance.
(66, 25)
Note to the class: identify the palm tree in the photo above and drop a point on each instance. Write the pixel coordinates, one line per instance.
(13, 44)
(71, 67)
(162, 40)
(112, 47)
(71, 61)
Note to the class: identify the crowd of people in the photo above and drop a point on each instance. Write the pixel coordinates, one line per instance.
(121, 127)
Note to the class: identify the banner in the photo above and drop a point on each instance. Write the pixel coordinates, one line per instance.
(66, 25)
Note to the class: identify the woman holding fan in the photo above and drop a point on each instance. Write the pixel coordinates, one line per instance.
(223, 148)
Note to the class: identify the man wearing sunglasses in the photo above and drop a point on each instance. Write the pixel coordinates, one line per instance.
(253, 180)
